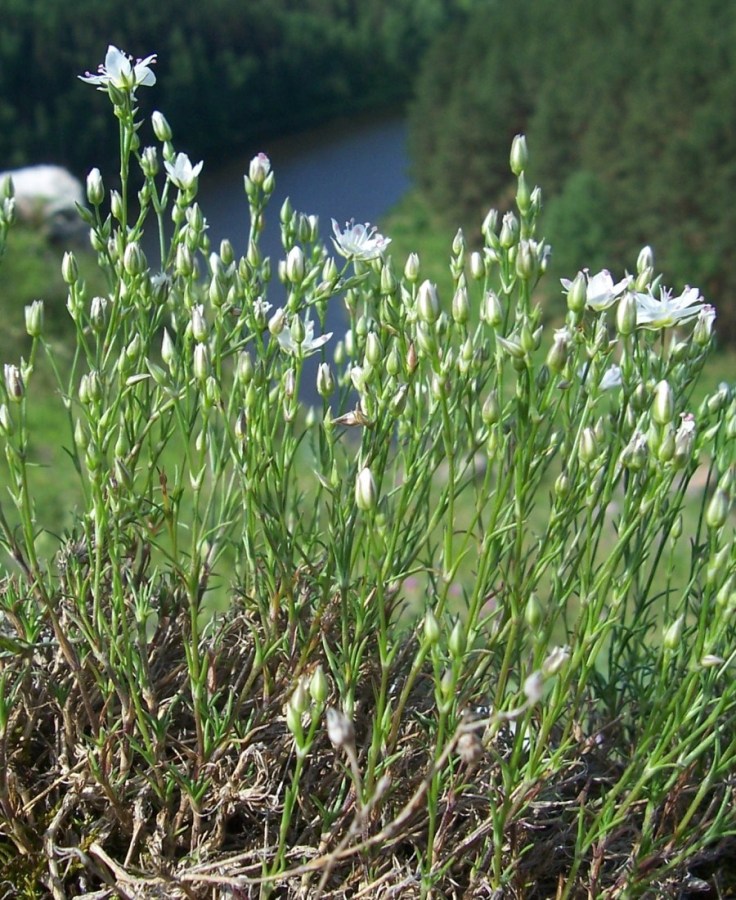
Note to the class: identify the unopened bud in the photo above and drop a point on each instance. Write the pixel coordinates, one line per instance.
(259, 168)
(626, 314)
(318, 686)
(201, 362)
(519, 155)
(95, 188)
(718, 509)
(673, 633)
(34, 318)
(69, 268)
(577, 294)
(663, 405)
(460, 306)
(645, 260)
(339, 728)
(431, 628)
(411, 269)
(428, 305)
(277, 322)
(325, 381)
(161, 127)
(14, 383)
(295, 265)
(366, 494)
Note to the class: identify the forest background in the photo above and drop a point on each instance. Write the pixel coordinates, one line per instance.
(628, 107)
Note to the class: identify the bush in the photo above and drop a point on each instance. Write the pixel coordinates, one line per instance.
(465, 627)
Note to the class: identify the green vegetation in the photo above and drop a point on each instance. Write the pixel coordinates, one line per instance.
(555, 712)
(248, 67)
(632, 103)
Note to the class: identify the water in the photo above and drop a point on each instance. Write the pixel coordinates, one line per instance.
(350, 169)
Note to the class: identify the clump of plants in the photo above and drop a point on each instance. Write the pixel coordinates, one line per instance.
(463, 627)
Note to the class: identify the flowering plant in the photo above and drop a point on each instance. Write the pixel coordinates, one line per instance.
(473, 597)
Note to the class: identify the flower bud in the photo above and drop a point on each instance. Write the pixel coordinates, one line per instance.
(339, 728)
(201, 362)
(34, 318)
(673, 633)
(199, 327)
(477, 266)
(645, 260)
(325, 381)
(663, 405)
(457, 640)
(588, 446)
(318, 686)
(460, 306)
(534, 687)
(69, 268)
(295, 265)
(95, 188)
(6, 421)
(428, 306)
(161, 127)
(491, 411)
(557, 355)
(134, 260)
(14, 383)
(373, 349)
(116, 205)
(168, 352)
(533, 612)
(411, 269)
(718, 509)
(491, 311)
(366, 494)
(431, 628)
(577, 294)
(703, 330)
(556, 659)
(626, 314)
(259, 168)
(277, 322)
(509, 231)
(393, 362)
(519, 156)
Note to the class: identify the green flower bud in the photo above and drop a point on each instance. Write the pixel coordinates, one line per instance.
(161, 127)
(673, 634)
(519, 156)
(718, 509)
(201, 362)
(318, 686)
(431, 628)
(95, 188)
(460, 306)
(373, 349)
(366, 494)
(34, 318)
(533, 612)
(577, 294)
(69, 268)
(626, 314)
(428, 306)
(457, 641)
(295, 265)
(491, 411)
(411, 269)
(588, 450)
(325, 381)
(663, 405)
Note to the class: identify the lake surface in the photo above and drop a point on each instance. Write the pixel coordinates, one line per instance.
(348, 169)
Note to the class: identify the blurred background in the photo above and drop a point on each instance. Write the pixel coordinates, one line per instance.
(403, 111)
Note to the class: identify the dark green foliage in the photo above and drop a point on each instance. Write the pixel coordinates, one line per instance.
(229, 70)
(634, 99)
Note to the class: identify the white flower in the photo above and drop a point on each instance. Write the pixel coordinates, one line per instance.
(182, 172)
(667, 310)
(309, 345)
(601, 292)
(119, 71)
(259, 168)
(611, 378)
(359, 241)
